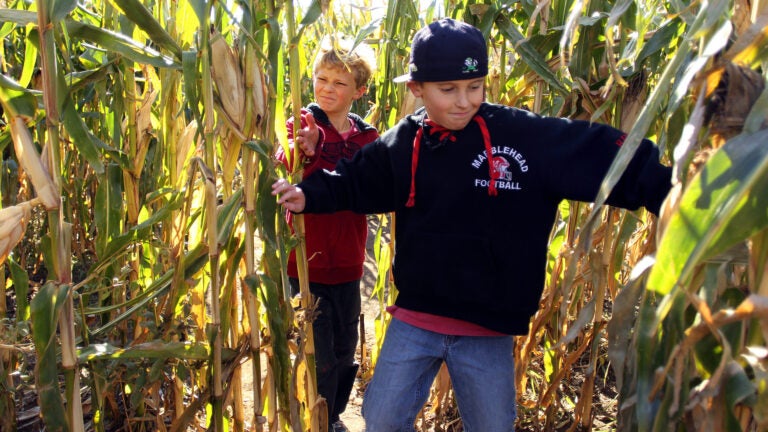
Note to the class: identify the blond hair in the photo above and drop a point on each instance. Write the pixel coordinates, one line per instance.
(342, 53)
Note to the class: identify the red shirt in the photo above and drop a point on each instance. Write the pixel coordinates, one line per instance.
(440, 324)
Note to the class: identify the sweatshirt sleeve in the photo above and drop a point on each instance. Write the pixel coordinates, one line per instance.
(582, 154)
(363, 184)
(645, 182)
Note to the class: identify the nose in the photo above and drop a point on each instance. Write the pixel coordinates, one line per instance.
(462, 99)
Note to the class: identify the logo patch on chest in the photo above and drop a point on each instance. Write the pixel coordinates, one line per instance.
(506, 163)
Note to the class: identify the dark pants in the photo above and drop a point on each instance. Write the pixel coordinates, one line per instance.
(336, 334)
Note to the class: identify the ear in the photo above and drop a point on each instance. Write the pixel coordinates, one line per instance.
(360, 92)
(414, 87)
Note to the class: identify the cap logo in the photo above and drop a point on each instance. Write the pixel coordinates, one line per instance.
(470, 65)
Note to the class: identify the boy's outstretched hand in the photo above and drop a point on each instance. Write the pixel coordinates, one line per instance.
(289, 196)
(306, 137)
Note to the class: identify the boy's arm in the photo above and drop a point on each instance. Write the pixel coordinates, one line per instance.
(583, 152)
(645, 182)
(364, 184)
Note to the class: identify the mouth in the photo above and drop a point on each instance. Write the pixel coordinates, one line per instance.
(461, 117)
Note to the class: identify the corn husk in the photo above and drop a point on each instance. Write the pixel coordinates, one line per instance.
(144, 128)
(256, 84)
(184, 150)
(32, 164)
(228, 79)
(13, 223)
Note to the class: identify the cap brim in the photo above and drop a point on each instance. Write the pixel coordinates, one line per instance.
(402, 78)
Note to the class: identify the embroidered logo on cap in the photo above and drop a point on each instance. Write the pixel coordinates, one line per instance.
(470, 65)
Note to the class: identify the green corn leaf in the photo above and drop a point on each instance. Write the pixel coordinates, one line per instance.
(21, 286)
(81, 136)
(18, 17)
(227, 216)
(122, 44)
(46, 307)
(108, 213)
(314, 11)
(61, 8)
(529, 55)
(719, 208)
(15, 101)
(142, 17)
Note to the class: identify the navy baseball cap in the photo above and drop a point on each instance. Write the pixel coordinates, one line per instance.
(447, 50)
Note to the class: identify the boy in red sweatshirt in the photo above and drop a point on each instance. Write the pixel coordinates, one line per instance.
(335, 242)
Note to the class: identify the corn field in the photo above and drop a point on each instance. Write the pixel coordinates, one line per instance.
(144, 256)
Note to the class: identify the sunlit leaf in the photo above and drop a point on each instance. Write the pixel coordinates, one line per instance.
(142, 17)
(718, 209)
(530, 56)
(119, 43)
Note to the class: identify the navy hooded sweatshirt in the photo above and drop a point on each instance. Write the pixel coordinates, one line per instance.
(460, 252)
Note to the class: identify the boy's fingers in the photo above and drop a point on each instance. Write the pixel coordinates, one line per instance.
(310, 119)
(288, 194)
(280, 186)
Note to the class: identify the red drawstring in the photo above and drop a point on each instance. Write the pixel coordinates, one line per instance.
(414, 164)
(443, 131)
(492, 172)
(446, 133)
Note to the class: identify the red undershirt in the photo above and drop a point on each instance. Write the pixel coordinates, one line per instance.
(440, 324)
(349, 131)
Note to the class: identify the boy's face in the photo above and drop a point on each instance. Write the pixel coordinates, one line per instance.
(452, 104)
(335, 89)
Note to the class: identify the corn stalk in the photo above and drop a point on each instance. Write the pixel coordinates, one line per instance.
(317, 407)
(60, 231)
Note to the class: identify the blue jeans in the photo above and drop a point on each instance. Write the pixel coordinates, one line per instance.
(481, 369)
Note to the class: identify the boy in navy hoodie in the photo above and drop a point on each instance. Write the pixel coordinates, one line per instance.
(335, 242)
(475, 188)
